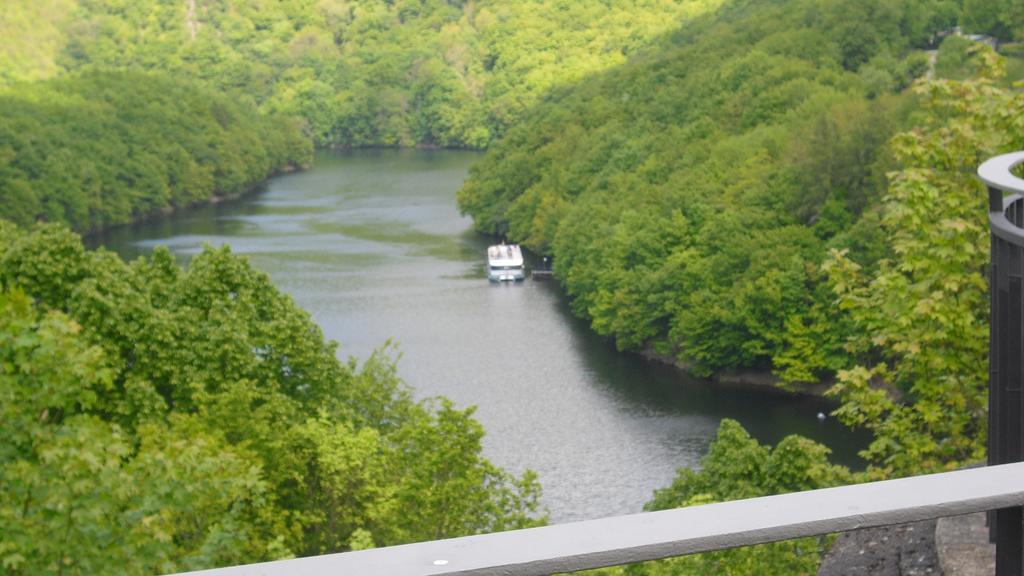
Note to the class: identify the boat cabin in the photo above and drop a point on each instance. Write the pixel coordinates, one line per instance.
(505, 263)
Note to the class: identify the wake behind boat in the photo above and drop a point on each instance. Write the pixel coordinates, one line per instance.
(505, 263)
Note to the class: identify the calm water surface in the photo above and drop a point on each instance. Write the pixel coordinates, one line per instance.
(370, 242)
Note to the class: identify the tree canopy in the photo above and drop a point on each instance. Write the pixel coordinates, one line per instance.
(359, 72)
(918, 373)
(158, 419)
(737, 467)
(689, 196)
(732, 199)
(104, 148)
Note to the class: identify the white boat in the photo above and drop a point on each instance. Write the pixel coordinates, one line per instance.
(505, 263)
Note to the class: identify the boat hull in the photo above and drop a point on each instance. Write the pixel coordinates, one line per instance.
(506, 276)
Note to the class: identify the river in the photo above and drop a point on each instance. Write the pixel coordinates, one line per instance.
(370, 242)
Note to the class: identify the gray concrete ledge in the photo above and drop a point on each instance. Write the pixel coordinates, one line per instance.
(655, 535)
(963, 546)
(899, 550)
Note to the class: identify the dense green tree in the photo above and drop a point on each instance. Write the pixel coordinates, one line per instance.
(359, 72)
(160, 419)
(689, 196)
(921, 315)
(80, 494)
(105, 148)
(1003, 19)
(34, 32)
(737, 467)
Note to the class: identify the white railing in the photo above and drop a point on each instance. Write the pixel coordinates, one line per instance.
(656, 535)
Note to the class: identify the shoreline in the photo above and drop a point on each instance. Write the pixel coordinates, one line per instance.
(745, 378)
(736, 378)
(212, 200)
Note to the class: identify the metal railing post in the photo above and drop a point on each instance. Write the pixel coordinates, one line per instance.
(1006, 347)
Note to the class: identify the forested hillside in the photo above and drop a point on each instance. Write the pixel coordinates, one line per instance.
(367, 72)
(159, 420)
(918, 346)
(723, 183)
(690, 196)
(104, 148)
(767, 190)
(360, 72)
(33, 32)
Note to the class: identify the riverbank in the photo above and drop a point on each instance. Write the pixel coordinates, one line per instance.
(167, 211)
(750, 378)
(98, 149)
(761, 380)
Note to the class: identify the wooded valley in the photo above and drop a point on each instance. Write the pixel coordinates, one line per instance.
(785, 187)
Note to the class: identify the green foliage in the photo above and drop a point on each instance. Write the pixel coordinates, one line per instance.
(738, 467)
(359, 72)
(956, 59)
(33, 35)
(99, 149)
(1003, 19)
(160, 420)
(921, 315)
(689, 196)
